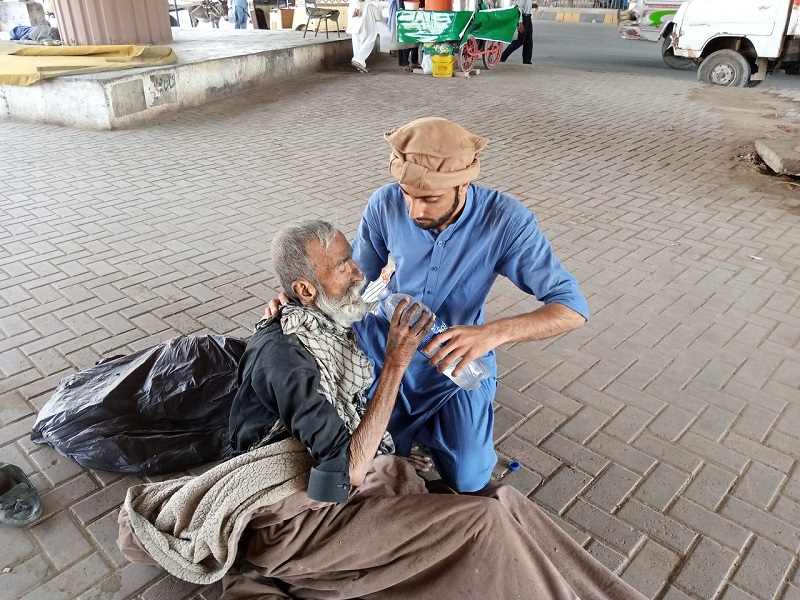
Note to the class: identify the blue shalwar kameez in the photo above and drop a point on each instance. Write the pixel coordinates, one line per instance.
(452, 273)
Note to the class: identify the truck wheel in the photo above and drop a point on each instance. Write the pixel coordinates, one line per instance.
(680, 63)
(725, 67)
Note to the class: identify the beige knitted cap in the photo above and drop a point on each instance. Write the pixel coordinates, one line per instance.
(433, 153)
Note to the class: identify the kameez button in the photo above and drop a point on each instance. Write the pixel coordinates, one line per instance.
(439, 243)
(433, 268)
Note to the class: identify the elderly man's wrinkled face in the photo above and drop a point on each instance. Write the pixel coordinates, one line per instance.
(434, 209)
(341, 281)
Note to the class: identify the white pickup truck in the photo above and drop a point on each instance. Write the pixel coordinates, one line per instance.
(651, 21)
(738, 42)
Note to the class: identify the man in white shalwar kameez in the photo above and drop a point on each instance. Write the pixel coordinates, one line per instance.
(363, 26)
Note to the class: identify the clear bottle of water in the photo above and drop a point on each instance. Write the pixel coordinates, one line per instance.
(470, 377)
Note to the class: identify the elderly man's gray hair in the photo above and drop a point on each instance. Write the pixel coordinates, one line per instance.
(290, 251)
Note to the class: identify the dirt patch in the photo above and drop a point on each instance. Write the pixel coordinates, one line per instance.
(751, 114)
(748, 160)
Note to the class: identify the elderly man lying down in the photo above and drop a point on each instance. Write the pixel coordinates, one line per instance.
(309, 507)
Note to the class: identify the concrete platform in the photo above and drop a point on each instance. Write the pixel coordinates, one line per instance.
(782, 156)
(211, 64)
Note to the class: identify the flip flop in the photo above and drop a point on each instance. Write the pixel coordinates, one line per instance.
(19, 500)
(359, 66)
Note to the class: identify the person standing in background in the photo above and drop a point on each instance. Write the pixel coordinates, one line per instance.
(525, 32)
(362, 24)
(240, 14)
(409, 57)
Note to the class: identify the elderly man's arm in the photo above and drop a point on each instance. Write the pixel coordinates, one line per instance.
(401, 344)
(286, 380)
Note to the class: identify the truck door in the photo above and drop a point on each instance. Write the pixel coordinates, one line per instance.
(739, 17)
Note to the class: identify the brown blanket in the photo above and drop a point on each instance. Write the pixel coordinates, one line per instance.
(394, 541)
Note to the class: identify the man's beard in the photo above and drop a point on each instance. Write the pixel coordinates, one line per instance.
(346, 310)
(441, 221)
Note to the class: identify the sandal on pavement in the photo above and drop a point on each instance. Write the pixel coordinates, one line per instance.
(19, 500)
(359, 66)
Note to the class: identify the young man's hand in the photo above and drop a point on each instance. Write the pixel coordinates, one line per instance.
(466, 342)
(274, 306)
(469, 342)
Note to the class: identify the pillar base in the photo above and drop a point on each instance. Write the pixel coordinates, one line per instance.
(100, 22)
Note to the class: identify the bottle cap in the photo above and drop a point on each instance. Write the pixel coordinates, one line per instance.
(514, 465)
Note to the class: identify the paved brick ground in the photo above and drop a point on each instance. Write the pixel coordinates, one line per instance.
(663, 436)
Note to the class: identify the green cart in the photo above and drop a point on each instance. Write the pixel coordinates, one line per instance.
(474, 33)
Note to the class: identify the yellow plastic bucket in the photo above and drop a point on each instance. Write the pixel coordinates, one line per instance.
(443, 65)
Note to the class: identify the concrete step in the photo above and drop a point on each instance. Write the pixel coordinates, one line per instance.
(211, 64)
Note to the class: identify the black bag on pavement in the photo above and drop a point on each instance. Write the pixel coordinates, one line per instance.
(159, 410)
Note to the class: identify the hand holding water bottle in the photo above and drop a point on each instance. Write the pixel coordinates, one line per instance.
(458, 344)
(408, 327)
(470, 372)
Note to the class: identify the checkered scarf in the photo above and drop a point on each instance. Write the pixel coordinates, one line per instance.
(345, 371)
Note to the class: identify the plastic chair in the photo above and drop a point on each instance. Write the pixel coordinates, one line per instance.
(321, 14)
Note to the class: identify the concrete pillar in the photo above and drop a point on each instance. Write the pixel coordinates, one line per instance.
(21, 13)
(98, 22)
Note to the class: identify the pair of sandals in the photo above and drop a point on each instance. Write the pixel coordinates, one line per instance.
(19, 500)
(359, 66)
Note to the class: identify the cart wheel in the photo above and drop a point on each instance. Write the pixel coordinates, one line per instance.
(492, 54)
(467, 54)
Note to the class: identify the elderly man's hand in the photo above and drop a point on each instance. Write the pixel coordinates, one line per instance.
(406, 331)
(274, 306)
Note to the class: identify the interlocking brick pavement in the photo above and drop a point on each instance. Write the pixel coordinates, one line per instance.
(663, 436)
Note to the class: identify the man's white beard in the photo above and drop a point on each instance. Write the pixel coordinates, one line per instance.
(345, 311)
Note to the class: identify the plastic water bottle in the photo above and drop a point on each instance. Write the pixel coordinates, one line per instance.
(470, 377)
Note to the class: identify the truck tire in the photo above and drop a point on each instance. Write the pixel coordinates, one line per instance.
(681, 63)
(725, 67)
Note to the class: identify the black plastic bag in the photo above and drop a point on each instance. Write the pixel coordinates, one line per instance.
(159, 410)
